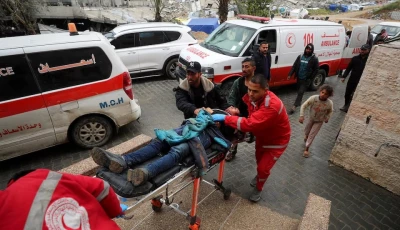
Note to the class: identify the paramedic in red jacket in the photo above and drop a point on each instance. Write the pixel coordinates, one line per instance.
(44, 199)
(269, 123)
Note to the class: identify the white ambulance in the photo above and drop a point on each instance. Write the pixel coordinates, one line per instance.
(225, 48)
(60, 87)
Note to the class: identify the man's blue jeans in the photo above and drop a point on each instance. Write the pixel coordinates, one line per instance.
(173, 157)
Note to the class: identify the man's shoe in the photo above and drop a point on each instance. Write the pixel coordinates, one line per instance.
(255, 195)
(292, 110)
(345, 108)
(115, 163)
(138, 176)
(253, 182)
(231, 153)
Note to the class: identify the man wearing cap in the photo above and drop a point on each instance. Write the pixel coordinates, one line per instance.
(356, 66)
(197, 92)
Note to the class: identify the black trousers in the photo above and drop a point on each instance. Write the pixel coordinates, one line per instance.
(350, 89)
(302, 86)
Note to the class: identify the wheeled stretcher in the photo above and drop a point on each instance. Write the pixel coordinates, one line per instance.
(161, 189)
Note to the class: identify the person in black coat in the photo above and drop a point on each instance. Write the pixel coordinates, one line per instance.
(263, 61)
(356, 66)
(305, 68)
(197, 92)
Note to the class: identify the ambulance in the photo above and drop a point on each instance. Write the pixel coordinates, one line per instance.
(61, 87)
(221, 54)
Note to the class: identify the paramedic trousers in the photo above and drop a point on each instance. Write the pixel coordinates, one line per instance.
(311, 130)
(302, 86)
(266, 158)
(154, 148)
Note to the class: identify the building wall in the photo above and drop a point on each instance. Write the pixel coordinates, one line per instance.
(372, 150)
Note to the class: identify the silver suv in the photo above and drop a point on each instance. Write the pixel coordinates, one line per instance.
(150, 48)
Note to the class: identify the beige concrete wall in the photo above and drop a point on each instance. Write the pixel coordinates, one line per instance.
(378, 96)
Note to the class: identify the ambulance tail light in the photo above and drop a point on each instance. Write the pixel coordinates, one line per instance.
(127, 85)
(207, 72)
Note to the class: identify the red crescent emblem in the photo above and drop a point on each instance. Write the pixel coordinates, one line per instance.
(290, 40)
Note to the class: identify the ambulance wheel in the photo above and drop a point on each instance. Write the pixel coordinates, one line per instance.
(318, 80)
(170, 68)
(227, 194)
(91, 131)
(226, 87)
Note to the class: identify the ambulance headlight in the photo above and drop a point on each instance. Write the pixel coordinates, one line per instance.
(207, 72)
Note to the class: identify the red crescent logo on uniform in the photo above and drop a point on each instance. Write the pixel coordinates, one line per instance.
(290, 40)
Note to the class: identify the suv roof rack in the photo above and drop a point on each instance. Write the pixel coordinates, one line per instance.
(254, 18)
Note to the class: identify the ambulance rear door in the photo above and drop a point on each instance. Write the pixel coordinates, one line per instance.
(25, 124)
(359, 36)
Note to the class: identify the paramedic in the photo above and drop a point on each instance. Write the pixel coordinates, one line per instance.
(305, 68)
(269, 123)
(356, 66)
(263, 60)
(197, 92)
(239, 89)
(44, 199)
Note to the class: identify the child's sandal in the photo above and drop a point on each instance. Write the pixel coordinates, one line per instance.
(306, 154)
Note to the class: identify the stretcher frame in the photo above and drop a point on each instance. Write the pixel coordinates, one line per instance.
(176, 184)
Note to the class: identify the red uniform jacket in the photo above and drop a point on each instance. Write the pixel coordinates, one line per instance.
(45, 199)
(267, 120)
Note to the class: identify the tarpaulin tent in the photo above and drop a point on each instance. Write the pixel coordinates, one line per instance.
(206, 25)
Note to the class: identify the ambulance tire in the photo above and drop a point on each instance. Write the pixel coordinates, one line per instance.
(318, 80)
(102, 125)
(225, 87)
(170, 68)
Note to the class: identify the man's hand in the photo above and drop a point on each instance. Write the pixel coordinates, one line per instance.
(218, 117)
(232, 110)
(301, 119)
(197, 111)
(124, 207)
(343, 79)
(209, 110)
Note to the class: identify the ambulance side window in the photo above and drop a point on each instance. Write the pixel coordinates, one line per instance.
(270, 37)
(66, 68)
(16, 78)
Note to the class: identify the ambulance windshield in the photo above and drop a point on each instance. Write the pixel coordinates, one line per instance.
(229, 39)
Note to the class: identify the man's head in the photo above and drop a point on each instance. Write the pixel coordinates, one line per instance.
(325, 91)
(364, 50)
(383, 31)
(257, 87)
(193, 73)
(264, 48)
(309, 49)
(248, 67)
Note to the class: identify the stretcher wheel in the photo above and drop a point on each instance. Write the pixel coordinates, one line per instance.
(156, 205)
(227, 194)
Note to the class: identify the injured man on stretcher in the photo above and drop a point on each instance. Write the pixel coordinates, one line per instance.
(193, 137)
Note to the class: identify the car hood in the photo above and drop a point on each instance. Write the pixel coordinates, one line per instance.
(204, 56)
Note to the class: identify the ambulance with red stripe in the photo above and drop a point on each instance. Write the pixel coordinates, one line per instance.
(226, 47)
(61, 87)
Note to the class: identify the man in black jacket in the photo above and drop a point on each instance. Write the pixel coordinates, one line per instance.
(197, 92)
(356, 66)
(263, 61)
(304, 68)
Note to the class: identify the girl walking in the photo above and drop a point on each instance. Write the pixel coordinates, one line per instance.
(321, 108)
